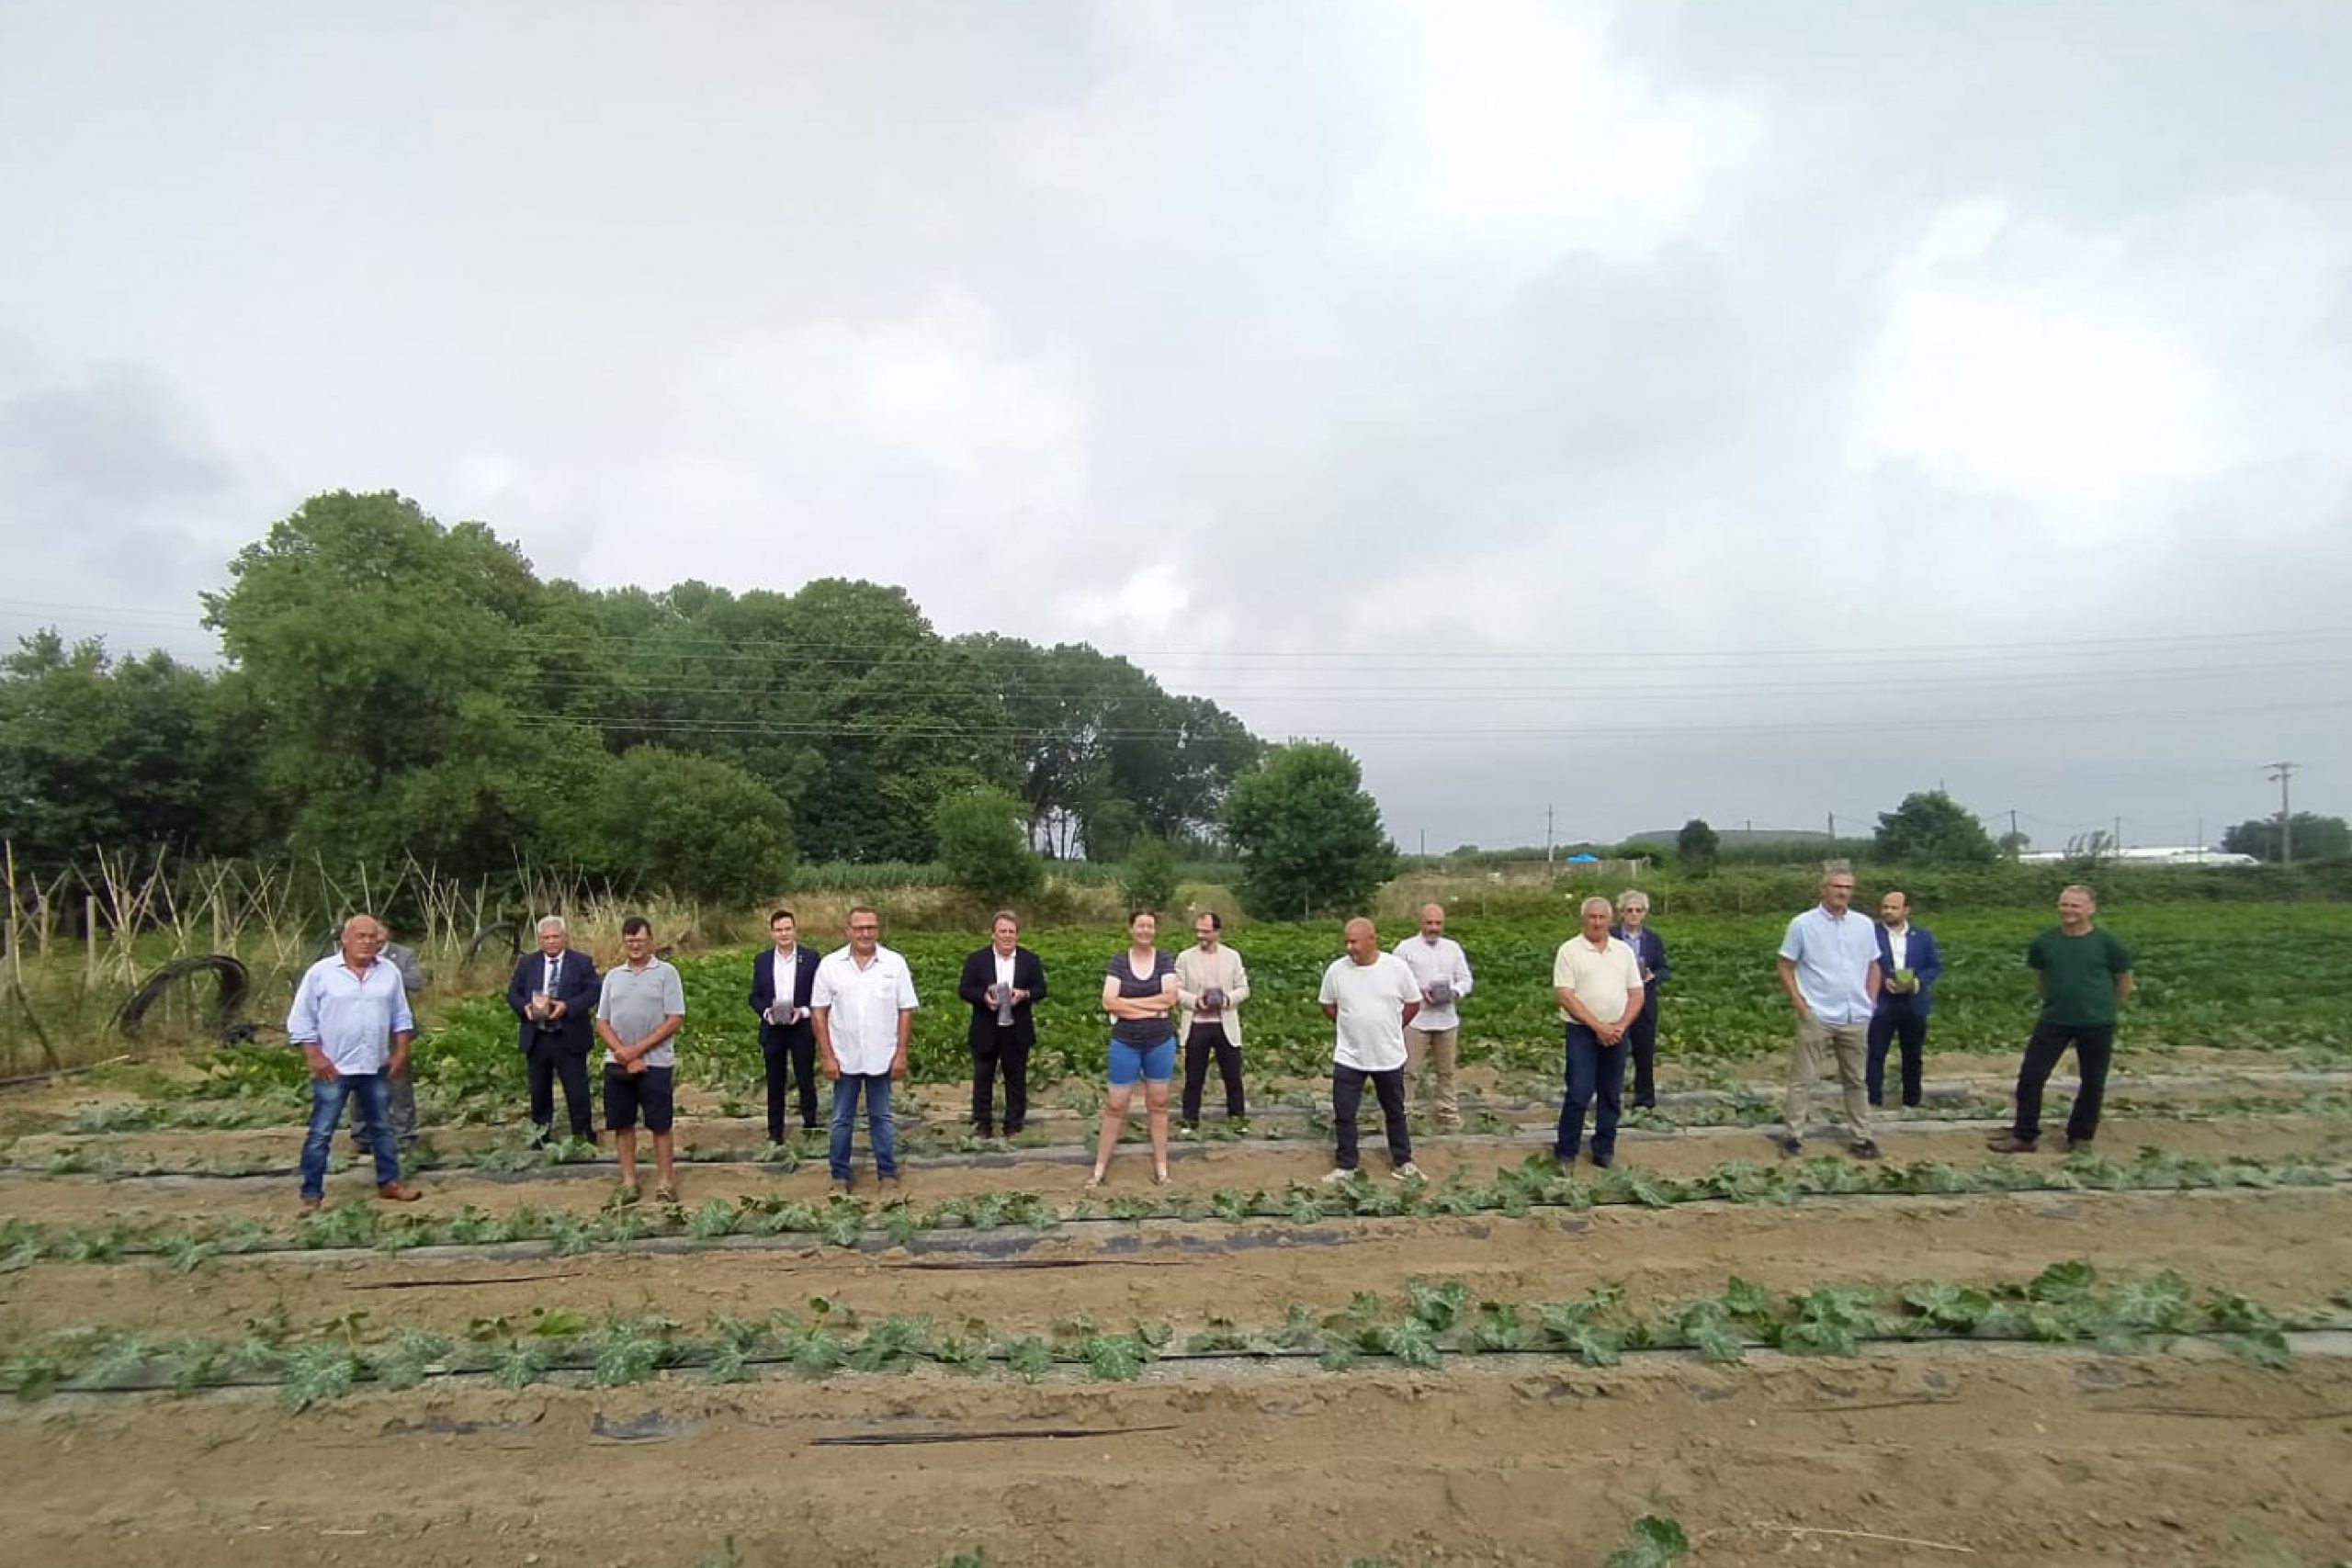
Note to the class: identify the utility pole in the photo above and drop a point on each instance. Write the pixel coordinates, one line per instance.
(2118, 835)
(1425, 843)
(1832, 831)
(1547, 835)
(2280, 774)
(2013, 832)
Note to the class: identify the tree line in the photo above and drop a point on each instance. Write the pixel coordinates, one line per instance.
(393, 687)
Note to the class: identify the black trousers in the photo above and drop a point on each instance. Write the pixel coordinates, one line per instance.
(1642, 1036)
(789, 1055)
(2094, 1046)
(1347, 1097)
(1001, 1047)
(550, 1062)
(1203, 1039)
(1891, 1025)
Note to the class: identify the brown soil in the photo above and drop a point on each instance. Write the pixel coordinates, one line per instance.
(2012, 1457)
(2019, 1457)
(1057, 1173)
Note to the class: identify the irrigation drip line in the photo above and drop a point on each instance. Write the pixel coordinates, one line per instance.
(1759, 1097)
(600, 1167)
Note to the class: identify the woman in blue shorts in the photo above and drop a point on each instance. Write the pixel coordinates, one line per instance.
(1140, 993)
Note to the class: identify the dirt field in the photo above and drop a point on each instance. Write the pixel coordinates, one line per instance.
(1901, 1453)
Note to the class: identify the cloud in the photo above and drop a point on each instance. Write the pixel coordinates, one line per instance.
(1520, 133)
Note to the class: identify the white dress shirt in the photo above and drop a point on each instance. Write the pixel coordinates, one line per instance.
(862, 1007)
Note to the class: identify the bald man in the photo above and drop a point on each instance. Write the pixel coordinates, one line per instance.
(1371, 996)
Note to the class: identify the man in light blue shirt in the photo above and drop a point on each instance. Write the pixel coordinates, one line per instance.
(1830, 968)
(352, 1022)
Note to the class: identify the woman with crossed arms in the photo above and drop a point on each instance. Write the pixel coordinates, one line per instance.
(1140, 993)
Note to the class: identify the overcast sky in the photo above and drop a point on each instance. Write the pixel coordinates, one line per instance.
(1748, 410)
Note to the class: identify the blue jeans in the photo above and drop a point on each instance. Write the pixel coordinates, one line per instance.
(326, 1110)
(879, 1129)
(1593, 1069)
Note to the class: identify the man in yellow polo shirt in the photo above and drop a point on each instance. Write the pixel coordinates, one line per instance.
(1598, 983)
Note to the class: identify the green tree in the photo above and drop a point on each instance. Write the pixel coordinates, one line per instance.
(983, 839)
(126, 754)
(1103, 752)
(2312, 837)
(1309, 836)
(693, 826)
(1148, 880)
(1932, 829)
(2013, 843)
(1695, 846)
(422, 691)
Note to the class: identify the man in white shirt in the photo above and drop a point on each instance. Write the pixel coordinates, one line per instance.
(1597, 983)
(1371, 996)
(863, 1007)
(1442, 971)
(352, 1022)
(1211, 985)
(1830, 968)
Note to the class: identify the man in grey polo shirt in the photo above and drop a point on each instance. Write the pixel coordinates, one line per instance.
(1830, 968)
(637, 1013)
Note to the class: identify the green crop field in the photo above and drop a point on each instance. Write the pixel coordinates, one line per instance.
(2245, 977)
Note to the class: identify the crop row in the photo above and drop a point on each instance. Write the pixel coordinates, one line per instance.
(188, 1244)
(1431, 1321)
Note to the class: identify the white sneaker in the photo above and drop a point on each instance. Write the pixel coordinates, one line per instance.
(1335, 1177)
(1408, 1171)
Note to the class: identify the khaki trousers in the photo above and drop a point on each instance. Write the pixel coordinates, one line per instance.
(1442, 1048)
(1818, 1044)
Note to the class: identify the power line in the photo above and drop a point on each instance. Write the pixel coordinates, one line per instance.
(933, 730)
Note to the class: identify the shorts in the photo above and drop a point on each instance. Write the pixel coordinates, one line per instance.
(628, 1093)
(1153, 1063)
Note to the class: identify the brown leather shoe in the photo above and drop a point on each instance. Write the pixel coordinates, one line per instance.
(310, 1205)
(398, 1193)
(2011, 1144)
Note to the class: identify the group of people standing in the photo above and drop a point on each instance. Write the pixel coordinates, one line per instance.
(1859, 989)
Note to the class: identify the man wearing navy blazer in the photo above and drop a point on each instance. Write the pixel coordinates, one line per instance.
(1003, 982)
(1903, 1008)
(787, 1039)
(1632, 928)
(553, 995)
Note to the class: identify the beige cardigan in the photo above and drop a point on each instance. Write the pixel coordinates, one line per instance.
(1197, 972)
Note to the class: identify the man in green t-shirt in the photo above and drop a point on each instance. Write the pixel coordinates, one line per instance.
(2082, 973)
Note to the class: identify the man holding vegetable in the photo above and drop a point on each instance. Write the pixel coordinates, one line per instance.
(1910, 960)
(1434, 1036)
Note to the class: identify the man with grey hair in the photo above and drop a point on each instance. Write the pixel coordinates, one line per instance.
(1830, 968)
(351, 1021)
(1649, 951)
(2082, 974)
(400, 1088)
(1442, 971)
(1597, 983)
(553, 994)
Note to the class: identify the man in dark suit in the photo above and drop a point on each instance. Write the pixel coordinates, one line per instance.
(553, 994)
(787, 1039)
(1003, 982)
(1632, 928)
(1907, 956)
